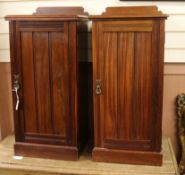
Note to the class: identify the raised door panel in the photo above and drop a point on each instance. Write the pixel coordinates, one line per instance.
(60, 82)
(108, 99)
(125, 68)
(44, 81)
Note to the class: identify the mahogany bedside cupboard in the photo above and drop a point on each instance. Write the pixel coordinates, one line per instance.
(128, 52)
(45, 79)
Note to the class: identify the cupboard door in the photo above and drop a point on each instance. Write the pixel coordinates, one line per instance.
(126, 67)
(43, 65)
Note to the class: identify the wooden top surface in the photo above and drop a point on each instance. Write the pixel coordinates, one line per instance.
(130, 12)
(85, 166)
(44, 17)
(52, 13)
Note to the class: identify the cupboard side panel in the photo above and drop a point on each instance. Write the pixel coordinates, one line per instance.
(161, 82)
(73, 118)
(157, 78)
(85, 109)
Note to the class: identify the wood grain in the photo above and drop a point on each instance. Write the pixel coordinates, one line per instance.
(108, 99)
(142, 87)
(125, 85)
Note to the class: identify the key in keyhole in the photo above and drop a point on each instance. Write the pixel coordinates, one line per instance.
(16, 88)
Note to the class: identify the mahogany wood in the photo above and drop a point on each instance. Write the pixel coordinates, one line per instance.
(125, 156)
(44, 55)
(60, 10)
(128, 57)
(46, 151)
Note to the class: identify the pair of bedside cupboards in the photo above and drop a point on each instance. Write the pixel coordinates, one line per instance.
(50, 90)
(48, 113)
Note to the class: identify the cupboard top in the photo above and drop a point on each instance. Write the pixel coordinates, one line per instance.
(130, 12)
(44, 18)
(52, 13)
